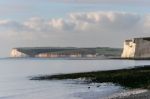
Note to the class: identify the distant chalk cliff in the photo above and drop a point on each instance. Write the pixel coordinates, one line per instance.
(16, 53)
(65, 52)
(136, 48)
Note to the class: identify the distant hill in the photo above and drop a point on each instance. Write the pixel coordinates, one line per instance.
(109, 52)
(63, 52)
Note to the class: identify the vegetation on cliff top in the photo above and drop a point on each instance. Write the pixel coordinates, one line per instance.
(137, 77)
(100, 51)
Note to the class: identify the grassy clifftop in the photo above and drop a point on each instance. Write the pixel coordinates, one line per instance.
(107, 51)
(99, 51)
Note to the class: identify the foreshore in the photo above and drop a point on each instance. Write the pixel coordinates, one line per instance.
(136, 79)
(131, 94)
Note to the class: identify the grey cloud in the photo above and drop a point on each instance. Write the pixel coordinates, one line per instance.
(78, 29)
(78, 22)
(107, 20)
(139, 2)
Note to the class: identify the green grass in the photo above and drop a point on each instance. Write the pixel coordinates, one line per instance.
(109, 51)
(138, 77)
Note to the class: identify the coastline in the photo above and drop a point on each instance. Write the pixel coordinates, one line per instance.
(136, 80)
(64, 58)
(79, 58)
(131, 94)
(136, 77)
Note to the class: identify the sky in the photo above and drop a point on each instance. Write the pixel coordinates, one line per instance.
(73, 23)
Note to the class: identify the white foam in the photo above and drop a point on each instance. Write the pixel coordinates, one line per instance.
(127, 93)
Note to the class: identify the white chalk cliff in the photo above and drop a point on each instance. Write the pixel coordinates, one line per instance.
(16, 53)
(136, 48)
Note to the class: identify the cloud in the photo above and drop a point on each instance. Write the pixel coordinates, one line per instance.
(109, 20)
(78, 22)
(77, 29)
(139, 2)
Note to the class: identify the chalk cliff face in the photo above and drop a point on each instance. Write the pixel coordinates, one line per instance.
(136, 48)
(16, 53)
(53, 52)
(65, 52)
(129, 49)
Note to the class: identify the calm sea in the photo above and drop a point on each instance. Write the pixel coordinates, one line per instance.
(15, 74)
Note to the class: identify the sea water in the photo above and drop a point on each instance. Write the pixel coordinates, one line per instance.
(15, 75)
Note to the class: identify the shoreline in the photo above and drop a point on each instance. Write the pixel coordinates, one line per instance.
(131, 94)
(61, 58)
(136, 77)
(82, 58)
(136, 80)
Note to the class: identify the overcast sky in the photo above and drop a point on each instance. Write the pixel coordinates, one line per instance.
(77, 23)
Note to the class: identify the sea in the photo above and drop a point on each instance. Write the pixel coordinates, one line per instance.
(15, 74)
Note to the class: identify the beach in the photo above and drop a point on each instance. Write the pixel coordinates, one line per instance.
(135, 80)
(132, 94)
(15, 75)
